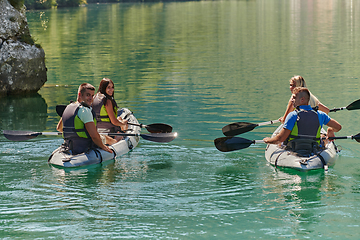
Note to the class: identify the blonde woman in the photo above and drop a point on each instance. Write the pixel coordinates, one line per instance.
(299, 81)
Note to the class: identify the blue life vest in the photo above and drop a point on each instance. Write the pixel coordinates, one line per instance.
(305, 134)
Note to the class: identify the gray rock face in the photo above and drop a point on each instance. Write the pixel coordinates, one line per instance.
(22, 63)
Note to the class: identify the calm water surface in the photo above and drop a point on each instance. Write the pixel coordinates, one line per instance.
(196, 66)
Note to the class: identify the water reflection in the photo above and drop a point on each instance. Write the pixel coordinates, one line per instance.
(125, 168)
(84, 176)
(59, 94)
(299, 193)
(23, 113)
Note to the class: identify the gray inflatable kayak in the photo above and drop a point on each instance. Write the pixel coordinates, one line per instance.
(278, 156)
(63, 159)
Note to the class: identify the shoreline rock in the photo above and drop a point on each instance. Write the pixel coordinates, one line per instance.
(22, 62)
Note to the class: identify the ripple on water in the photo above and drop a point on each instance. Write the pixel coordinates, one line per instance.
(165, 190)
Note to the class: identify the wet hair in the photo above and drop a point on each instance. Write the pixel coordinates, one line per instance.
(299, 81)
(102, 89)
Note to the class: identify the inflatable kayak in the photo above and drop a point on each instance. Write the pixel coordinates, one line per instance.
(64, 159)
(278, 156)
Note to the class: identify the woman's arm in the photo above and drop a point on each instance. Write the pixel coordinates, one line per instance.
(289, 109)
(110, 110)
(323, 108)
(59, 126)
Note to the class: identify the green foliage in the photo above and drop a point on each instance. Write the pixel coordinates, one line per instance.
(17, 3)
(103, 1)
(12, 19)
(70, 3)
(39, 4)
(29, 40)
(46, 4)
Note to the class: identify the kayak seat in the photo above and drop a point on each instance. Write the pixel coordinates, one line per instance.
(303, 147)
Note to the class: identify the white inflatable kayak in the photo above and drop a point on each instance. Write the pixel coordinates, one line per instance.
(279, 157)
(62, 159)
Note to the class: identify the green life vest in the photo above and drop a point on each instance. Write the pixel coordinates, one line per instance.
(307, 126)
(75, 134)
(304, 138)
(100, 110)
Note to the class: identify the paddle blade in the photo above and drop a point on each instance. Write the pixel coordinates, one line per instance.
(237, 128)
(357, 137)
(159, 128)
(60, 109)
(354, 105)
(20, 135)
(228, 144)
(159, 137)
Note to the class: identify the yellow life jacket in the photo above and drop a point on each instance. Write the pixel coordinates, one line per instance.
(100, 110)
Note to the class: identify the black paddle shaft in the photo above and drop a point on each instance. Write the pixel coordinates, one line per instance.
(352, 106)
(27, 135)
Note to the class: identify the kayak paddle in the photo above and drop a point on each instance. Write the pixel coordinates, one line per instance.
(243, 127)
(154, 137)
(228, 144)
(152, 128)
(352, 106)
(26, 135)
(60, 109)
(237, 128)
(155, 127)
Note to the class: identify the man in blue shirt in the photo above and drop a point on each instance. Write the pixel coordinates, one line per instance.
(304, 121)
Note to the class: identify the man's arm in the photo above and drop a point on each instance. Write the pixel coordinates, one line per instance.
(333, 126)
(281, 137)
(91, 128)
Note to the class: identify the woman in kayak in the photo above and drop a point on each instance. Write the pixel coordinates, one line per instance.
(299, 81)
(105, 108)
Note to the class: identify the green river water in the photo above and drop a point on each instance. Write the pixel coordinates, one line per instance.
(196, 66)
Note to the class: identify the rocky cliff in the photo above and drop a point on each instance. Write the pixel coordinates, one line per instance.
(22, 63)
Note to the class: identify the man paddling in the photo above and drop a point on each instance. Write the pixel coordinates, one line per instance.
(78, 124)
(304, 122)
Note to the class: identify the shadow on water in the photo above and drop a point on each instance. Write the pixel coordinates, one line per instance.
(159, 162)
(23, 113)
